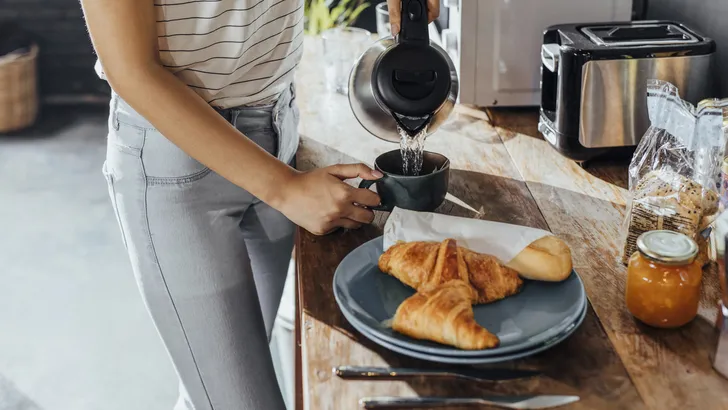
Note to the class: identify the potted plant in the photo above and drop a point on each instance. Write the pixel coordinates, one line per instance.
(321, 16)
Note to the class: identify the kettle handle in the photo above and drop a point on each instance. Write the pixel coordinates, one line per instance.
(414, 22)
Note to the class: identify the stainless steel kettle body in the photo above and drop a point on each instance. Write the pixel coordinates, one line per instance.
(369, 109)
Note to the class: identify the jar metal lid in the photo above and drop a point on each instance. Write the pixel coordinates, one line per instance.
(668, 247)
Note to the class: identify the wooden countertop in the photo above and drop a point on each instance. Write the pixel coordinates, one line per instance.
(502, 168)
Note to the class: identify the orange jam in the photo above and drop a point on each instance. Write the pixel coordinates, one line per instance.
(663, 279)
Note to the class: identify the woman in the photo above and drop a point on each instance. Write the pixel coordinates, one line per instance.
(202, 135)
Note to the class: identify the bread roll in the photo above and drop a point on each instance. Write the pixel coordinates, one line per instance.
(546, 259)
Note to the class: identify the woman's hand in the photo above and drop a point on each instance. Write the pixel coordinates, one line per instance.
(320, 202)
(395, 11)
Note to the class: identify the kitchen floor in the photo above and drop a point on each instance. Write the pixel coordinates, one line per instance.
(74, 333)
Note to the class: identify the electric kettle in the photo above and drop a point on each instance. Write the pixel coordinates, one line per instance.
(404, 82)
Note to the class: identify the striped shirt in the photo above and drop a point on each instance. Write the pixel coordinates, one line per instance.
(231, 52)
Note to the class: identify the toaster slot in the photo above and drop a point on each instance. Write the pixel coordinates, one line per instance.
(661, 32)
(639, 33)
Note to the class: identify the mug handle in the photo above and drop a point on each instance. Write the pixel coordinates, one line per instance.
(366, 184)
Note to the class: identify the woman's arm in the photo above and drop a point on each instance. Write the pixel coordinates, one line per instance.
(125, 37)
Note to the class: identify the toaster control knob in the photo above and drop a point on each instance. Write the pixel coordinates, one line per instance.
(547, 132)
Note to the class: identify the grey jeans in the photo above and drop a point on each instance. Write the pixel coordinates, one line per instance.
(210, 259)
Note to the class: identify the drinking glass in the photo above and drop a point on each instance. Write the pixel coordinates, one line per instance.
(342, 46)
(383, 27)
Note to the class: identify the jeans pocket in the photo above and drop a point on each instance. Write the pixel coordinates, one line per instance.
(286, 127)
(167, 164)
(112, 196)
(163, 162)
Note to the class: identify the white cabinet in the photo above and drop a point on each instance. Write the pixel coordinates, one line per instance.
(496, 43)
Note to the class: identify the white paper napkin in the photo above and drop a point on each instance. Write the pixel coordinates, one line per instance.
(504, 241)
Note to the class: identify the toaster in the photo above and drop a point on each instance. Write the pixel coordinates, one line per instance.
(594, 81)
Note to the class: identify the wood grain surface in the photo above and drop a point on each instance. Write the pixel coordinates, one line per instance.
(501, 171)
(586, 207)
(585, 364)
(594, 370)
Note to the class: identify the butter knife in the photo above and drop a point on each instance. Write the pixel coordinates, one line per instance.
(387, 373)
(500, 402)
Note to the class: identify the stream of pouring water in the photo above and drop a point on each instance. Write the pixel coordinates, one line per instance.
(412, 148)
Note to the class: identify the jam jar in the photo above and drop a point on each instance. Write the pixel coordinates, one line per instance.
(663, 279)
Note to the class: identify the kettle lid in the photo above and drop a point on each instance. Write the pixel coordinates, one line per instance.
(412, 78)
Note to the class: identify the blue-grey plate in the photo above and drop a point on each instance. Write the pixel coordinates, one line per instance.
(540, 312)
(471, 360)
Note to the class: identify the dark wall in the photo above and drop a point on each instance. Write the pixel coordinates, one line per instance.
(67, 58)
(707, 16)
(367, 19)
(66, 65)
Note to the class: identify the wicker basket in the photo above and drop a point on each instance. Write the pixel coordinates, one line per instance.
(19, 92)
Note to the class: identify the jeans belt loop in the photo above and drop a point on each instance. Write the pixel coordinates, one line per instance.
(115, 111)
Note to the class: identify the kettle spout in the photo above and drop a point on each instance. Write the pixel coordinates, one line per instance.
(412, 125)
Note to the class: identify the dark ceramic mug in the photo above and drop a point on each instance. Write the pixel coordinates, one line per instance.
(423, 192)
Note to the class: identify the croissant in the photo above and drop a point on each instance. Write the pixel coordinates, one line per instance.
(444, 315)
(420, 266)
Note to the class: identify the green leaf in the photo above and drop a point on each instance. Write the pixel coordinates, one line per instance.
(336, 13)
(319, 17)
(314, 23)
(357, 11)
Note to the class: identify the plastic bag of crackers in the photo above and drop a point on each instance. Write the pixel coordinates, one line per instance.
(675, 173)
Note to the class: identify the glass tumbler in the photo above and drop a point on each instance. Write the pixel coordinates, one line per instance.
(342, 46)
(383, 27)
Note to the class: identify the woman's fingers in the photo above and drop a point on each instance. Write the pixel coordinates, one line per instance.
(348, 223)
(362, 215)
(433, 10)
(365, 197)
(395, 15)
(348, 171)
